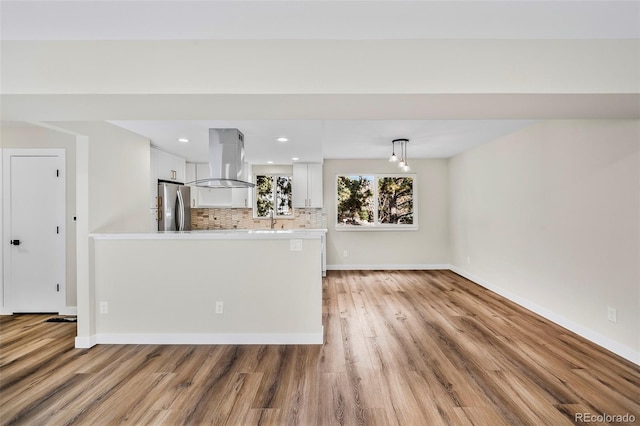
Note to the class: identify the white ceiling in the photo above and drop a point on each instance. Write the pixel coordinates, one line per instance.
(213, 19)
(313, 139)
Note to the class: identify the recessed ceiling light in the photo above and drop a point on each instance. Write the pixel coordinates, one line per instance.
(282, 139)
(269, 162)
(183, 140)
(295, 158)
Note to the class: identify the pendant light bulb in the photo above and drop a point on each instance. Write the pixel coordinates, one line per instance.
(403, 149)
(403, 162)
(393, 157)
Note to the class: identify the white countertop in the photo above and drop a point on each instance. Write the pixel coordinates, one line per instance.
(217, 234)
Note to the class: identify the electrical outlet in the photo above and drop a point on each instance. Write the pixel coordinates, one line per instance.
(468, 260)
(295, 244)
(219, 307)
(104, 307)
(345, 254)
(612, 314)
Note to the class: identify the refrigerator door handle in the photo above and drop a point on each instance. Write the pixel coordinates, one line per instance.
(180, 212)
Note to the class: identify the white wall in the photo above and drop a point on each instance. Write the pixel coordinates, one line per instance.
(118, 173)
(38, 137)
(428, 246)
(550, 216)
(113, 169)
(112, 193)
(169, 287)
(320, 66)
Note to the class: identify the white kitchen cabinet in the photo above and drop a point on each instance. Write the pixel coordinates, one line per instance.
(210, 197)
(307, 185)
(153, 181)
(190, 172)
(202, 197)
(203, 171)
(240, 197)
(243, 197)
(207, 197)
(153, 220)
(323, 253)
(163, 166)
(168, 167)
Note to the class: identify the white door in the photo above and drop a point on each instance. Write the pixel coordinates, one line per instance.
(34, 231)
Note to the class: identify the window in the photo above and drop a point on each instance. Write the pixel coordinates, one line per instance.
(273, 193)
(376, 202)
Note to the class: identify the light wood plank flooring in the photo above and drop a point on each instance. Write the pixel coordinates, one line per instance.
(401, 348)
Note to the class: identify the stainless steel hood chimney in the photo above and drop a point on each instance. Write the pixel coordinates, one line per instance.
(226, 160)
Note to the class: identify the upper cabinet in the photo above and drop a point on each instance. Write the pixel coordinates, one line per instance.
(210, 197)
(164, 166)
(215, 197)
(307, 185)
(190, 169)
(153, 180)
(242, 197)
(168, 167)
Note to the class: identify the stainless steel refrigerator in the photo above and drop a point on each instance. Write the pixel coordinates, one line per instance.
(174, 207)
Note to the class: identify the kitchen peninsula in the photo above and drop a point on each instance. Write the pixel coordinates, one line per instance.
(209, 287)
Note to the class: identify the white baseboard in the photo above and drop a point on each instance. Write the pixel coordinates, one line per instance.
(69, 310)
(210, 339)
(85, 342)
(597, 338)
(317, 338)
(387, 267)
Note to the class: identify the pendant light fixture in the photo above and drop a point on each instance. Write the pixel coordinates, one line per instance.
(403, 164)
(393, 157)
(405, 167)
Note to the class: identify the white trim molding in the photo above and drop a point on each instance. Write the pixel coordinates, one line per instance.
(594, 337)
(85, 342)
(210, 339)
(69, 310)
(317, 338)
(389, 267)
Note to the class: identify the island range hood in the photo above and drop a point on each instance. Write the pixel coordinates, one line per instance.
(226, 160)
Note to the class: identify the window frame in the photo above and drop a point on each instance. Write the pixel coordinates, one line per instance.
(274, 177)
(376, 226)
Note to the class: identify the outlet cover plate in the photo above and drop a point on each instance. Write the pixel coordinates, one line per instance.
(295, 244)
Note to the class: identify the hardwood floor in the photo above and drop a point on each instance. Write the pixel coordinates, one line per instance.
(401, 348)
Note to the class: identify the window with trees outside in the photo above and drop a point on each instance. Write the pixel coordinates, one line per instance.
(376, 202)
(273, 193)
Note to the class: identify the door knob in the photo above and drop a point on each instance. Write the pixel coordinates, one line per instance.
(15, 242)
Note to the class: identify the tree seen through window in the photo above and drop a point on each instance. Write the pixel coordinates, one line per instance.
(273, 192)
(372, 200)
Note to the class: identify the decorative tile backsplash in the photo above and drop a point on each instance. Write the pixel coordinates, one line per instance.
(227, 218)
